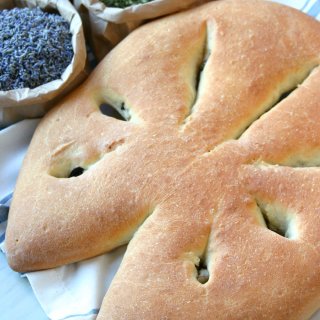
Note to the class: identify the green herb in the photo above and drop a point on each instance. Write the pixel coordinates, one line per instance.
(123, 3)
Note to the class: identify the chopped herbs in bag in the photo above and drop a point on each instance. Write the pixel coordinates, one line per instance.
(35, 48)
(123, 3)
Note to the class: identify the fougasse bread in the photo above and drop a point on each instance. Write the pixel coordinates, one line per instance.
(214, 176)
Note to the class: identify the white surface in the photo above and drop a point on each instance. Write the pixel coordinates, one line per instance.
(17, 300)
(76, 290)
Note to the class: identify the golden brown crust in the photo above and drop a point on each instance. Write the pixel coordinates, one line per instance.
(217, 184)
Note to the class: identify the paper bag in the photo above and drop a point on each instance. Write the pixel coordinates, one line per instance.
(106, 26)
(24, 103)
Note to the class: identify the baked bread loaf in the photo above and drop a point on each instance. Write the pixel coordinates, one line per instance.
(213, 176)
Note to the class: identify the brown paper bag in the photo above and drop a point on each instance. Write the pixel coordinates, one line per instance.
(105, 26)
(24, 103)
